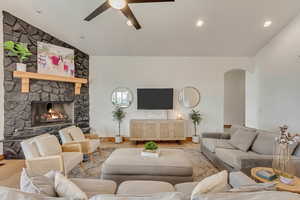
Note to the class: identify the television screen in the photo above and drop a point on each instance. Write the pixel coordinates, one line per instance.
(155, 99)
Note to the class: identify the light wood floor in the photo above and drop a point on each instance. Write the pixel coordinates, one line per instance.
(11, 171)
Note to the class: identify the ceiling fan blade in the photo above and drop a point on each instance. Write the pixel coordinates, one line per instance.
(148, 1)
(128, 13)
(98, 11)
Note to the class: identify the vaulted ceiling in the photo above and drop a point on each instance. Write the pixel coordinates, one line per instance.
(231, 28)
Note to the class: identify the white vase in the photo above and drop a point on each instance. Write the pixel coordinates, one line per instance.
(21, 67)
(196, 139)
(118, 139)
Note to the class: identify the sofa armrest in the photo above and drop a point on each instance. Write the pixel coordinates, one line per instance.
(71, 147)
(94, 186)
(215, 135)
(256, 161)
(42, 165)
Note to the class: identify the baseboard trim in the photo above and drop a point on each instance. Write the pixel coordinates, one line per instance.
(127, 139)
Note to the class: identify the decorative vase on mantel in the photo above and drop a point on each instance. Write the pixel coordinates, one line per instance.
(283, 165)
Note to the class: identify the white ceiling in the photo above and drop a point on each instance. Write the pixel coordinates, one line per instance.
(232, 27)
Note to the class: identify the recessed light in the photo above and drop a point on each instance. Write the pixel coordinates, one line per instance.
(267, 23)
(82, 37)
(39, 12)
(200, 23)
(129, 23)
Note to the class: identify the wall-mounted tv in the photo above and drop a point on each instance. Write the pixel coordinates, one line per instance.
(155, 99)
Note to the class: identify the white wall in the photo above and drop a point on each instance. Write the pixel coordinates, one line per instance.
(278, 69)
(1, 83)
(206, 74)
(234, 97)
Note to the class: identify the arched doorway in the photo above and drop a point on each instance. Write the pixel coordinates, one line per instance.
(234, 97)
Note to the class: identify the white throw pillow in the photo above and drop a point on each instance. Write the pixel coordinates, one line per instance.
(48, 146)
(68, 189)
(37, 185)
(212, 184)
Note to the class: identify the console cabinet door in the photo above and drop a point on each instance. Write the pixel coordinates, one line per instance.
(150, 130)
(164, 130)
(179, 129)
(136, 129)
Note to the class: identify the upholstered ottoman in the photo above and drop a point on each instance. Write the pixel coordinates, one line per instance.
(127, 164)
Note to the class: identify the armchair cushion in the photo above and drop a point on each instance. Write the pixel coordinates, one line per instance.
(48, 146)
(30, 148)
(76, 133)
(94, 187)
(95, 143)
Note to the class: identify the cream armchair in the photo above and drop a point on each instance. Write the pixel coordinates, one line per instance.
(73, 135)
(44, 153)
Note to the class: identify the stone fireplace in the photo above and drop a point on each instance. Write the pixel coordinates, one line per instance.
(47, 113)
(49, 105)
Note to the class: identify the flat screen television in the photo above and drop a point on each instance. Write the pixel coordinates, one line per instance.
(155, 99)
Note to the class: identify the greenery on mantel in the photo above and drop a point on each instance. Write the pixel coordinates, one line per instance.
(16, 49)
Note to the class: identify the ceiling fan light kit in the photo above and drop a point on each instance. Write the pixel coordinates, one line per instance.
(122, 5)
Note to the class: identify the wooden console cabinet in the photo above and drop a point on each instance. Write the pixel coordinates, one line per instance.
(157, 130)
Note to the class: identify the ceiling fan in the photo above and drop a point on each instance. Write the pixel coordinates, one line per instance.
(122, 5)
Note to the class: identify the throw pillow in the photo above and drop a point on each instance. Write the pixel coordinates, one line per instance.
(37, 185)
(243, 139)
(48, 146)
(212, 184)
(66, 188)
(264, 143)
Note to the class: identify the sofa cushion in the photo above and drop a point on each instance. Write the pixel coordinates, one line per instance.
(68, 189)
(239, 179)
(92, 187)
(38, 184)
(48, 146)
(212, 184)
(144, 187)
(211, 144)
(264, 143)
(233, 157)
(186, 189)
(243, 139)
(233, 129)
(157, 196)
(71, 159)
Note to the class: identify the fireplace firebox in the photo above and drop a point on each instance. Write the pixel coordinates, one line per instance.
(46, 113)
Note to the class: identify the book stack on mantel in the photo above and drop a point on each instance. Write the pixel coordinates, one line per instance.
(266, 174)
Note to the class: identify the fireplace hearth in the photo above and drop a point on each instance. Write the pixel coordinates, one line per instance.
(47, 113)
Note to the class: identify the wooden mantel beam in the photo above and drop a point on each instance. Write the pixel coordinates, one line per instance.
(26, 76)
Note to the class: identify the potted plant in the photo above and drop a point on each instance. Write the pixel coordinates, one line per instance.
(196, 117)
(118, 115)
(150, 150)
(19, 50)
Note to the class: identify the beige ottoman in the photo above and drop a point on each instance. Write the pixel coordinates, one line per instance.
(127, 164)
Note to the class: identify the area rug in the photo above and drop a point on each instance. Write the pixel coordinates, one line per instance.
(201, 166)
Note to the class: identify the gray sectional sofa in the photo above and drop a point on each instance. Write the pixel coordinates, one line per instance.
(225, 153)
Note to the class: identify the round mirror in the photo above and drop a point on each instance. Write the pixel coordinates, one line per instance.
(189, 97)
(122, 97)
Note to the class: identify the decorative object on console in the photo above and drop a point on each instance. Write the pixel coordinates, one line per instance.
(189, 97)
(283, 165)
(122, 97)
(118, 115)
(55, 60)
(19, 50)
(196, 117)
(150, 150)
